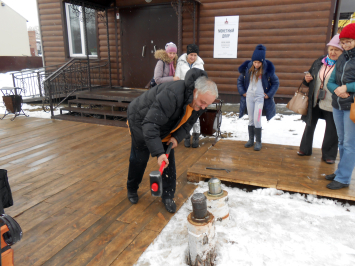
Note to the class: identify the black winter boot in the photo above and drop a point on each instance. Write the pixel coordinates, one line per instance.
(132, 196)
(257, 146)
(170, 205)
(187, 142)
(195, 140)
(250, 142)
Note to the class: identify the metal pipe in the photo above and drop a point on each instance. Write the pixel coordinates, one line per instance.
(194, 21)
(108, 48)
(86, 45)
(179, 28)
(199, 205)
(214, 187)
(336, 17)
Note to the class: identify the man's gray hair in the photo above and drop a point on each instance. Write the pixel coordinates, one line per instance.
(204, 85)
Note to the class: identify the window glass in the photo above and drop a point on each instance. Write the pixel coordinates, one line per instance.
(76, 32)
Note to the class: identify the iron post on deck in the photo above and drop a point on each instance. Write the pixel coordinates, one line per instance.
(108, 48)
(194, 21)
(86, 44)
(336, 17)
(39, 84)
(179, 28)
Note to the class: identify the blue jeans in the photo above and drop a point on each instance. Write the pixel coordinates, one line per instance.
(346, 135)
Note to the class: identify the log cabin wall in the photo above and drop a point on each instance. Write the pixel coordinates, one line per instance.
(52, 30)
(293, 31)
(115, 45)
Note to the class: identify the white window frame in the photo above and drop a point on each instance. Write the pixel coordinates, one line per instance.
(83, 48)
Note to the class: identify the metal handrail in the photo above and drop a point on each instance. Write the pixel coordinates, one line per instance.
(71, 77)
(59, 69)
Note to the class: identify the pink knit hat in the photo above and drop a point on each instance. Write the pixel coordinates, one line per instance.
(335, 42)
(170, 48)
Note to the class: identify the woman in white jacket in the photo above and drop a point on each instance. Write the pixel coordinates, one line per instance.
(187, 61)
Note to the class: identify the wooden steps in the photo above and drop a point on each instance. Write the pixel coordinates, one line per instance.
(93, 102)
(112, 103)
(94, 111)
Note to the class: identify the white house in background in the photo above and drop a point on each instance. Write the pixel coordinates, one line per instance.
(13, 32)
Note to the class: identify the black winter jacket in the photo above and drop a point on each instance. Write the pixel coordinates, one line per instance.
(154, 114)
(344, 74)
(314, 70)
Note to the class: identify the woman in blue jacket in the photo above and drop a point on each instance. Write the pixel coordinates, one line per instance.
(257, 85)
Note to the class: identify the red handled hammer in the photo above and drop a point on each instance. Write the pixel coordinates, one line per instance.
(156, 180)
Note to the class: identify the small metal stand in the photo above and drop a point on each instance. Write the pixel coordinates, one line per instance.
(12, 101)
(209, 118)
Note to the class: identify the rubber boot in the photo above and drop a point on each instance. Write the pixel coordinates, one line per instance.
(250, 142)
(195, 140)
(257, 146)
(187, 142)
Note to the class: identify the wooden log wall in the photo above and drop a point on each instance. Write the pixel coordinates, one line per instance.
(293, 31)
(52, 31)
(115, 46)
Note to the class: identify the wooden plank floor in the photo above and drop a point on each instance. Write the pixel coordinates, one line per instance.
(275, 166)
(68, 182)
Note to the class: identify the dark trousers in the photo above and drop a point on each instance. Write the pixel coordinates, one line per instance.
(330, 141)
(137, 164)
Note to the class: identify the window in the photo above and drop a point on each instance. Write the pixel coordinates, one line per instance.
(76, 32)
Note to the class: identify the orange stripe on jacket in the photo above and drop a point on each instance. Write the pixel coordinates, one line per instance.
(186, 117)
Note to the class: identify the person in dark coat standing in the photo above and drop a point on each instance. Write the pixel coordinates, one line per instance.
(257, 85)
(317, 79)
(165, 114)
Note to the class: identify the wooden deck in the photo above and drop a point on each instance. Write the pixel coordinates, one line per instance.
(274, 166)
(68, 182)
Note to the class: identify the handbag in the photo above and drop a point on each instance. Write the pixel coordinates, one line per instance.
(352, 111)
(5, 191)
(299, 101)
(152, 82)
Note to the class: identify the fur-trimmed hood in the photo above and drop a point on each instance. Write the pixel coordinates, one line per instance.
(268, 67)
(163, 56)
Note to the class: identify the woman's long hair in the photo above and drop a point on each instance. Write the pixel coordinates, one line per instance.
(256, 72)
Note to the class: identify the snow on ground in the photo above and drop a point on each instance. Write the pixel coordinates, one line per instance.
(282, 129)
(267, 227)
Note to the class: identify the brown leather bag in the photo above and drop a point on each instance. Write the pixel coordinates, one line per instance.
(352, 111)
(299, 102)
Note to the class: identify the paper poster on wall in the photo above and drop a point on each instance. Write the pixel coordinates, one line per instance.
(226, 37)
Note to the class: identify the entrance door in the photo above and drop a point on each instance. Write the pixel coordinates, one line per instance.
(145, 30)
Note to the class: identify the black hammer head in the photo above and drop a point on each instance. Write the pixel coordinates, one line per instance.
(156, 184)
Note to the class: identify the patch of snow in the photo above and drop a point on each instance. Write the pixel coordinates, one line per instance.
(267, 227)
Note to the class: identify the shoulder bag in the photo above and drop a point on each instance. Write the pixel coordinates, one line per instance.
(299, 101)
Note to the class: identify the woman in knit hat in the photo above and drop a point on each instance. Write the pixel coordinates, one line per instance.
(257, 85)
(165, 69)
(185, 62)
(342, 86)
(320, 106)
